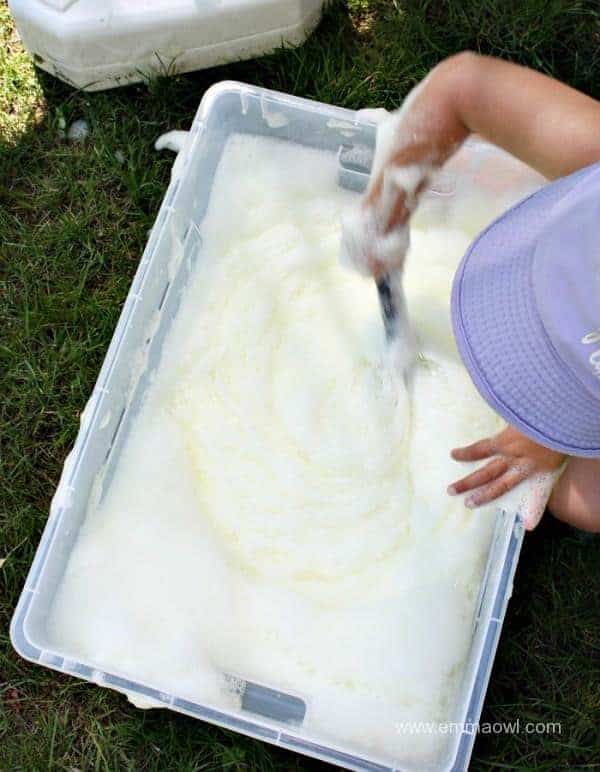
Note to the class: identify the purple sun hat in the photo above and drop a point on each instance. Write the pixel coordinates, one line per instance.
(526, 314)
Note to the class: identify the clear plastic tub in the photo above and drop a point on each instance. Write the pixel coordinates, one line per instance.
(99, 44)
(135, 351)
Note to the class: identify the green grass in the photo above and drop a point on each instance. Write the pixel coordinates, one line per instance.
(73, 223)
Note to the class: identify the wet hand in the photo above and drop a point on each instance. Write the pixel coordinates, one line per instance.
(513, 458)
(411, 143)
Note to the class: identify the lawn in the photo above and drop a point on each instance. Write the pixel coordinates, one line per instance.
(74, 218)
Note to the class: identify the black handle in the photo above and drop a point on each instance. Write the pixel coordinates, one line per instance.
(387, 301)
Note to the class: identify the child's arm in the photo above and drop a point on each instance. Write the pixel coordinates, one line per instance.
(545, 123)
(576, 497)
(548, 125)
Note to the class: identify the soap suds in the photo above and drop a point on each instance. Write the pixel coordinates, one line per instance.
(171, 140)
(279, 510)
(372, 114)
(176, 142)
(274, 118)
(78, 130)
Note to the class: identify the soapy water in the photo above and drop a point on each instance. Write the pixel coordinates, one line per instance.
(278, 512)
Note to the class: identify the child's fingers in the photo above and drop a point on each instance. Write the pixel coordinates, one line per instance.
(475, 452)
(479, 477)
(498, 487)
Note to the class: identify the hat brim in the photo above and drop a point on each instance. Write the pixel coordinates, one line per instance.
(502, 340)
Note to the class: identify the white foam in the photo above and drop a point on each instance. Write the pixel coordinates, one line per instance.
(279, 509)
(78, 130)
(172, 140)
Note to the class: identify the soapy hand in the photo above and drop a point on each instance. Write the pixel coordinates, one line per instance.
(375, 237)
(411, 143)
(514, 458)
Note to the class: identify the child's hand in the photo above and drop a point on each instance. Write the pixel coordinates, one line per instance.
(411, 143)
(515, 458)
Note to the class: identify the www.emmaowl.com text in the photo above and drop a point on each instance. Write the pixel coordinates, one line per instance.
(485, 727)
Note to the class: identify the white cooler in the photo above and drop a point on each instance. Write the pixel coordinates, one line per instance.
(99, 44)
